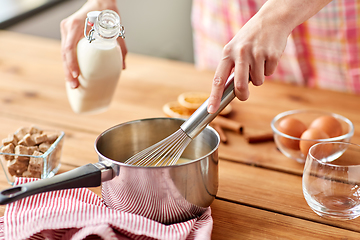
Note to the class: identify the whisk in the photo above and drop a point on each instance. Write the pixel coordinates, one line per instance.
(168, 151)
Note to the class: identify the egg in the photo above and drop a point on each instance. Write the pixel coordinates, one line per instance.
(322, 151)
(329, 124)
(292, 127)
(311, 134)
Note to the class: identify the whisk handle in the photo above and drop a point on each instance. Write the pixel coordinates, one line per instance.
(201, 118)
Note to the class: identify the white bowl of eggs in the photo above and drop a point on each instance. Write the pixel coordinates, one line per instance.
(296, 131)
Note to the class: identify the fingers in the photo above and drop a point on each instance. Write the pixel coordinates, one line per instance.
(241, 80)
(123, 48)
(71, 61)
(257, 68)
(216, 93)
(270, 66)
(222, 73)
(68, 76)
(248, 69)
(71, 34)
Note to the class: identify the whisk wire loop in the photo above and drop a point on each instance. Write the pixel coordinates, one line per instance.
(164, 153)
(169, 150)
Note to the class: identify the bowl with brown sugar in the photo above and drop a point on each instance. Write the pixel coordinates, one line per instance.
(31, 152)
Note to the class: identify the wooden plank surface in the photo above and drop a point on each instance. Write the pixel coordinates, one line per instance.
(274, 191)
(260, 195)
(234, 221)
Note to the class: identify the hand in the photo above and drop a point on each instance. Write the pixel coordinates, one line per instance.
(252, 54)
(255, 50)
(72, 30)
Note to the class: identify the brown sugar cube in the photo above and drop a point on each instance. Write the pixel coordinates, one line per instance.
(21, 132)
(22, 142)
(36, 164)
(27, 140)
(12, 172)
(16, 168)
(32, 149)
(31, 174)
(43, 147)
(27, 174)
(10, 148)
(34, 129)
(51, 137)
(20, 149)
(39, 138)
(10, 139)
(19, 172)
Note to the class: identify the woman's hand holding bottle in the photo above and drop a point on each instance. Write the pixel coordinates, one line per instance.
(72, 30)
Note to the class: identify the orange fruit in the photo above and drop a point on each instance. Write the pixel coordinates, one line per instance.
(174, 109)
(193, 100)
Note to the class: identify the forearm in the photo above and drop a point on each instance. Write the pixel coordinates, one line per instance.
(288, 14)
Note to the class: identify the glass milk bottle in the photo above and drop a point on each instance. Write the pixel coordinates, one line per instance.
(100, 62)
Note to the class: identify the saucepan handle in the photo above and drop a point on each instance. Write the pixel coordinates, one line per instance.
(85, 176)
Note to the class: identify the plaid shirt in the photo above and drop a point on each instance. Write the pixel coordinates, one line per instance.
(322, 52)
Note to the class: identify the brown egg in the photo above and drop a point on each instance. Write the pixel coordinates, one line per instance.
(322, 151)
(311, 133)
(292, 127)
(329, 124)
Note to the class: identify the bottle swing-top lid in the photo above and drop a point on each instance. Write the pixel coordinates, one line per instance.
(104, 23)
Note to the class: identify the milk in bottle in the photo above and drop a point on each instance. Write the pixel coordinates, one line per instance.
(100, 62)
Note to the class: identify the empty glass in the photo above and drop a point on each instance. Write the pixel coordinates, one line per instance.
(331, 180)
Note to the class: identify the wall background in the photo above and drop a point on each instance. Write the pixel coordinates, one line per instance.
(160, 28)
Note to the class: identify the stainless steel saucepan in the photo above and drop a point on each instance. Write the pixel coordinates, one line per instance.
(165, 194)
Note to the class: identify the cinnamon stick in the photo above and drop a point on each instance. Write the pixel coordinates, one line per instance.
(226, 123)
(265, 137)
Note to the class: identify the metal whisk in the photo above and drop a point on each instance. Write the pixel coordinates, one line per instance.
(168, 151)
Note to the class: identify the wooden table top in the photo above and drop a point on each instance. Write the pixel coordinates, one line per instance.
(260, 194)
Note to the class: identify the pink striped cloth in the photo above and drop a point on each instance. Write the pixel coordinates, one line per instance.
(323, 52)
(81, 214)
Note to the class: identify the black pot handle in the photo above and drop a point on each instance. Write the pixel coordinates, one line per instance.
(85, 176)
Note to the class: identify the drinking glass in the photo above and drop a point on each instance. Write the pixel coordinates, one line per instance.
(331, 180)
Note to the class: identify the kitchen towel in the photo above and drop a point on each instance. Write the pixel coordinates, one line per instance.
(81, 214)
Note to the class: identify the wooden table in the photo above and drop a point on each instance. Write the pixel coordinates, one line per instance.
(260, 194)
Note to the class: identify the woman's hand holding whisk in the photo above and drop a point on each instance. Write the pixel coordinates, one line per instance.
(255, 50)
